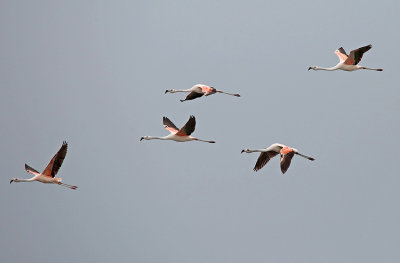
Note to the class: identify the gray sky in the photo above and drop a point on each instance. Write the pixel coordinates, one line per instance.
(94, 73)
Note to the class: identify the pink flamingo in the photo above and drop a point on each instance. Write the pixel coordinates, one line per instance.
(348, 63)
(198, 91)
(47, 176)
(178, 135)
(273, 150)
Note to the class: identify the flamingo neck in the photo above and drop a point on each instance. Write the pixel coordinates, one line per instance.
(18, 180)
(327, 69)
(156, 138)
(179, 90)
(257, 150)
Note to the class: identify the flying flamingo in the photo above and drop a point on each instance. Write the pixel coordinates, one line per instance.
(273, 150)
(178, 135)
(47, 176)
(348, 62)
(198, 91)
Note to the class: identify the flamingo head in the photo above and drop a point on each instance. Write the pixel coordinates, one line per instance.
(14, 180)
(170, 91)
(145, 137)
(313, 67)
(245, 151)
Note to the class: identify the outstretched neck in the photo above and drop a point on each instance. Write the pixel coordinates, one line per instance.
(256, 150)
(327, 69)
(180, 90)
(156, 138)
(17, 180)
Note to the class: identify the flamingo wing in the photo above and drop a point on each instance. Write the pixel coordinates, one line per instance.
(56, 162)
(356, 55)
(286, 159)
(263, 159)
(31, 170)
(341, 53)
(169, 125)
(193, 95)
(188, 128)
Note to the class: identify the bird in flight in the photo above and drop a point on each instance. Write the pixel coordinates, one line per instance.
(348, 62)
(47, 176)
(198, 91)
(285, 152)
(178, 135)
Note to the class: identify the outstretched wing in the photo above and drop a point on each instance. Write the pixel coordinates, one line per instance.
(169, 126)
(286, 159)
(56, 162)
(356, 55)
(193, 95)
(31, 170)
(263, 159)
(188, 128)
(341, 53)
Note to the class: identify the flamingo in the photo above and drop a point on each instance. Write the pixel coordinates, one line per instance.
(178, 135)
(286, 153)
(198, 91)
(47, 176)
(348, 62)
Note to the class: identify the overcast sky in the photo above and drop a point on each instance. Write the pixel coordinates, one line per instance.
(94, 73)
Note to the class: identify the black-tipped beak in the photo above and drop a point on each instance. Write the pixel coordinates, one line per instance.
(141, 138)
(12, 180)
(242, 151)
(166, 91)
(309, 68)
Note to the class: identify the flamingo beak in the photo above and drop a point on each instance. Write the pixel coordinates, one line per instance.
(309, 68)
(242, 151)
(166, 92)
(12, 180)
(142, 138)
